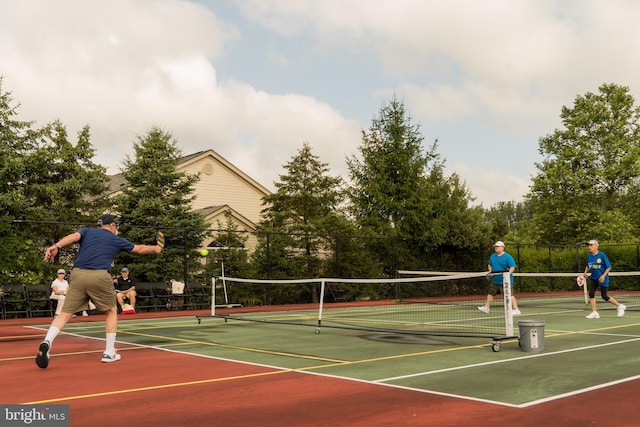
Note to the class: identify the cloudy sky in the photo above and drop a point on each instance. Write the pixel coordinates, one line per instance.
(254, 79)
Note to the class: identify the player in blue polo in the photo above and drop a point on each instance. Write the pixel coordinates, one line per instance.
(597, 270)
(500, 261)
(90, 279)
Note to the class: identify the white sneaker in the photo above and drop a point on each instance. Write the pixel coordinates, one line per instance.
(593, 315)
(484, 309)
(516, 312)
(84, 313)
(108, 358)
(621, 309)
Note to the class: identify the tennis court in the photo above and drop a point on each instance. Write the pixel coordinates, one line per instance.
(194, 369)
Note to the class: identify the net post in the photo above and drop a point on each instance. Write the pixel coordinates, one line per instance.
(508, 309)
(213, 296)
(224, 285)
(322, 290)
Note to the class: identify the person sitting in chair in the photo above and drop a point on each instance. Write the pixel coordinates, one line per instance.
(59, 290)
(125, 292)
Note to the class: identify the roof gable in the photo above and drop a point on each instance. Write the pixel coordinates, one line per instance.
(221, 183)
(197, 157)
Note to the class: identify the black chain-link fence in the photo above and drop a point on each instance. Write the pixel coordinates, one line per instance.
(263, 255)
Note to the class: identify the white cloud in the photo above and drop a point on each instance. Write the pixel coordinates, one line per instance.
(273, 128)
(487, 77)
(122, 76)
(502, 58)
(490, 186)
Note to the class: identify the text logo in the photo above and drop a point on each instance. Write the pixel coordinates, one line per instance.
(34, 415)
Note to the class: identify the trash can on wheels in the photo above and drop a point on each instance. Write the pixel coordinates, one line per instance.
(531, 335)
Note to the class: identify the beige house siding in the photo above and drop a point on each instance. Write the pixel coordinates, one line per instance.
(216, 214)
(222, 187)
(223, 184)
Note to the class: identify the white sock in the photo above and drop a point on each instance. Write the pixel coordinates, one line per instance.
(52, 333)
(111, 343)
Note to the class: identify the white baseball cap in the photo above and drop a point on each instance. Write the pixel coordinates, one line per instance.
(499, 243)
(61, 271)
(592, 242)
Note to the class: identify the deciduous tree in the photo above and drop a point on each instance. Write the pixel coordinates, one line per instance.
(588, 170)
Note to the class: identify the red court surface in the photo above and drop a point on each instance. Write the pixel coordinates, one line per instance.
(151, 387)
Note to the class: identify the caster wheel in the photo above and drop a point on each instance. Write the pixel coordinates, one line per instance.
(495, 347)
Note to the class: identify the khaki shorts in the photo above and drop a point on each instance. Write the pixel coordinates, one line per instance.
(85, 285)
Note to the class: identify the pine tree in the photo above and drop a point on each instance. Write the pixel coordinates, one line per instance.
(399, 191)
(298, 217)
(155, 196)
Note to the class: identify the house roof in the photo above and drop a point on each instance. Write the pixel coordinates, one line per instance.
(211, 211)
(117, 181)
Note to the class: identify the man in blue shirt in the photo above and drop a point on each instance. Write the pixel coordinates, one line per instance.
(90, 279)
(500, 261)
(597, 270)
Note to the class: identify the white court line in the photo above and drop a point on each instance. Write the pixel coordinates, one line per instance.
(576, 392)
(495, 362)
(534, 402)
(384, 382)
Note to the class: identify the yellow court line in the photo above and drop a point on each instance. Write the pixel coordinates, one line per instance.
(397, 356)
(214, 380)
(10, 338)
(234, 347)
(586, 331)
(157, 387)
(7, 359)
(628, 325)
(74, 353)
(335, 362)
(280, 371)
(207, 381)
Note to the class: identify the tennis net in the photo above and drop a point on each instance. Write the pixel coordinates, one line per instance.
(444, 304)
(536, 292)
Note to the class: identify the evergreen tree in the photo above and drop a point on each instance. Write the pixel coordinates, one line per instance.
(155, 196)
(400, 191)
(230, 251)
(298, 217)
(64, 185)
(387, 195)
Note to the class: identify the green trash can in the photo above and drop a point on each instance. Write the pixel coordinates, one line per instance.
(531, 335)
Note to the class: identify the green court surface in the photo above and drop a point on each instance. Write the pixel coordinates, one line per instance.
(579, 354)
